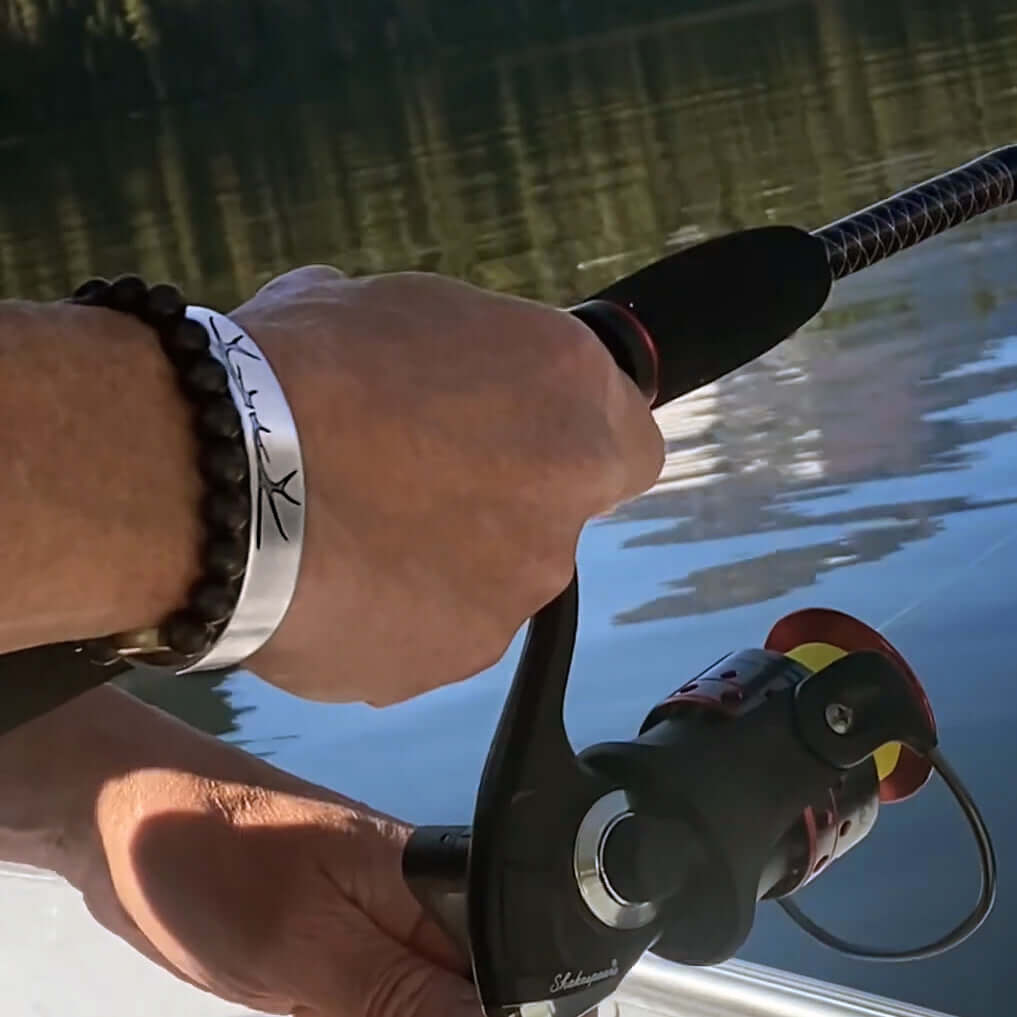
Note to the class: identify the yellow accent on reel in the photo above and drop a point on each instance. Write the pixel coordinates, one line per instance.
(816, 656)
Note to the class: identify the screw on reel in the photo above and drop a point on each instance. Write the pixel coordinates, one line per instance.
(745, 784)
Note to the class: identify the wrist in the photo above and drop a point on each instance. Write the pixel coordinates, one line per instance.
(103, 466)
(252, 503)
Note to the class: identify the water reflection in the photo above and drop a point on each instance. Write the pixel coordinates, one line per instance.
(880, 387)
(564, 167)
(202, 700)
(771, 575)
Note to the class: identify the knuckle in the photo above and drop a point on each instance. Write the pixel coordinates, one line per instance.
(530, 587)
(632, 456)
(581, 356)
(408, 282)
(554, 575)
(423, 278)
(319, 273)
(306, 277)
(488, 652)
(544, 577)
(648, 450)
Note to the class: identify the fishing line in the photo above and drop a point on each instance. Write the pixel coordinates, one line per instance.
(946, 583)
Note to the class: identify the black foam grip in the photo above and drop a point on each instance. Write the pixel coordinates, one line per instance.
(713, 307)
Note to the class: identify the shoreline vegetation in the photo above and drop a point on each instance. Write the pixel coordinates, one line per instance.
(540, 169)
(63, 59)
(66, 60)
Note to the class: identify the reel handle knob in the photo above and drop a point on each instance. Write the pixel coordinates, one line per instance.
(438, 855)
(436, 869)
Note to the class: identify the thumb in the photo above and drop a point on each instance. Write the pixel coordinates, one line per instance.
(300, 280)
(382, 978)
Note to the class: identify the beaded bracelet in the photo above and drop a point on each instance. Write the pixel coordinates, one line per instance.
(250, 462)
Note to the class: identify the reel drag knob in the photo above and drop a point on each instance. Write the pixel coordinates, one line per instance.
(817, 638)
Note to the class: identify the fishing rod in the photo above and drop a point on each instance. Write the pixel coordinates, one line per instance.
(754, 776)
(692, 317)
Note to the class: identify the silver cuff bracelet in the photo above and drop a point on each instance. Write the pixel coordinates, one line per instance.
(276, 476)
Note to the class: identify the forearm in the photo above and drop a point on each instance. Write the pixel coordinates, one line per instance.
(99, 503)
(63, 776)
(52, 774)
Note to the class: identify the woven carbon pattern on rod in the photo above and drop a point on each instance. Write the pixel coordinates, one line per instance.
(912, 216)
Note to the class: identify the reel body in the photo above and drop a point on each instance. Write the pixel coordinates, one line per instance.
(743, 785)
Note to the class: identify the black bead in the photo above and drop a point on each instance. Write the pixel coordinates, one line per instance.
(128, 293)
(204, 377)
(213, 601)
(225, 557)
(218, 418)
(91, 291)
(185, 633)
(223, 454)
(227, 510)
(165, 303)
(223, 462)
(187, 340)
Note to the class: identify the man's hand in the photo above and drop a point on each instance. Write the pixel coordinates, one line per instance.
(286, 902)
(235, 876)
(456, 442)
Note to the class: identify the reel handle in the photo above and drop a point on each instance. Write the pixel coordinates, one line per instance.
(438, 854)
(436, 869)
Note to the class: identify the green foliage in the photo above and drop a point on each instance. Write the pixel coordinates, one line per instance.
(545, 170)
(62, 58)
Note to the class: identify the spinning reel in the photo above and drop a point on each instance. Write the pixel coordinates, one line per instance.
(750, 780)
(744, 785)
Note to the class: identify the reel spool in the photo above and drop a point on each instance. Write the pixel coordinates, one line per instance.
(744, 785)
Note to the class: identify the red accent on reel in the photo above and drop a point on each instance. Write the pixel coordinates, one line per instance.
(822, 625)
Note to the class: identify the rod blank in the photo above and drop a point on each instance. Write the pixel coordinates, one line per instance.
(881, 230)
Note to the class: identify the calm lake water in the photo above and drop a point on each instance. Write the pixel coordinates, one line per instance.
(870, 464)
